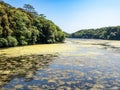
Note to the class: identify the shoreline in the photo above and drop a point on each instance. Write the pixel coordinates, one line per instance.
(69, 45)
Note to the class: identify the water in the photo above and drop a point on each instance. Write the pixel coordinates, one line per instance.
(93, 64)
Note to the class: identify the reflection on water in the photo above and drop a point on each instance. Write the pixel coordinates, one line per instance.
(90, 66)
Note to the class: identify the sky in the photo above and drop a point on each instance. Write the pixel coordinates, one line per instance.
(74, 15)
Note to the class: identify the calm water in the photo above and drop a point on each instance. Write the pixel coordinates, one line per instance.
(89, 66)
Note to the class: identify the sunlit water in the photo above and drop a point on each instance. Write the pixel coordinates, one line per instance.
(91, 66)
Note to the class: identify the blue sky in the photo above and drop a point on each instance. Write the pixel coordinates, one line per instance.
(73, 15)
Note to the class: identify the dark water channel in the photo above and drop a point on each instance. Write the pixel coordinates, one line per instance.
(87, 67)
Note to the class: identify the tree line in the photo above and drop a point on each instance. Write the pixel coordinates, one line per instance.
(108, 33)
(24, 26)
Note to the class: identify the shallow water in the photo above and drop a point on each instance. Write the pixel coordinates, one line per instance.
(91, 65)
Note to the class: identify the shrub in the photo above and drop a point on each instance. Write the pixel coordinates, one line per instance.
(3, 42)
(23, 42)
(12, 41)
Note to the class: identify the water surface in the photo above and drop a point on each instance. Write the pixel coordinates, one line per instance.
(87, 64)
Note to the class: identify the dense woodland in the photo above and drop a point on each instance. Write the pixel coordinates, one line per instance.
(109, 33)
(24, 26)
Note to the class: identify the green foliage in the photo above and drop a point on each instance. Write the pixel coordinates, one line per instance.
(1, 29)
(23, 27)
(110, 33)
(3, 42)
(12, 41)
(48, 31)
(67, 34)
(29, 8)
(22, 40)
(34, 35)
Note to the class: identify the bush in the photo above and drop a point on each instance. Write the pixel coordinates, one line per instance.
(24, 42)
(12, 41)
(3, 42)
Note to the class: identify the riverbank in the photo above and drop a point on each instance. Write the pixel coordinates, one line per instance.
(56, 48)
(97, 43)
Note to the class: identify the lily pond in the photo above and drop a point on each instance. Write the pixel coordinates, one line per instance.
(77, 64)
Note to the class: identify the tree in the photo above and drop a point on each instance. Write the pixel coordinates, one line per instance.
(1, 29)
(42, 15)
(12, 41)
(29, 8)
(23, 27)
(34, 35)
(1, 0)
(3, 42)
(110, 33)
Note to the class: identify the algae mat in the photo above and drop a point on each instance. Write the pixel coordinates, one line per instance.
(36, 49)
(75, 65)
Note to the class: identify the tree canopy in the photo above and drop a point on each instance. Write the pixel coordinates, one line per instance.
(109, 33)
(21, 27)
